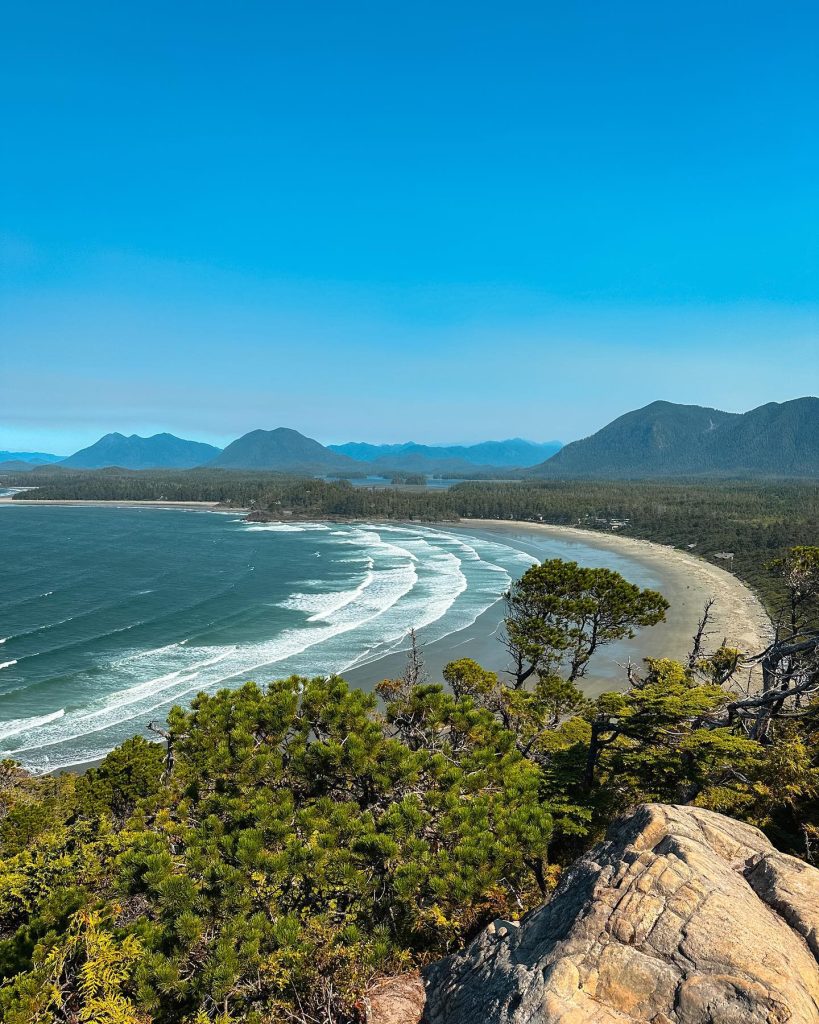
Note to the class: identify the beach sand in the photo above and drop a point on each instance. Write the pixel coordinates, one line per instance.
(202, 505)
(685, 580)
(738, 614)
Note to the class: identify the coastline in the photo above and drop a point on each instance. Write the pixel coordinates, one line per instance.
(685, 579)
(124, 503)
(738, 615)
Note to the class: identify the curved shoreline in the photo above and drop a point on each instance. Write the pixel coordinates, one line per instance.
(114, 503)
(685, 579)
(737, 616)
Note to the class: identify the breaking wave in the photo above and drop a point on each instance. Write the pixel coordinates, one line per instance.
(381, 581)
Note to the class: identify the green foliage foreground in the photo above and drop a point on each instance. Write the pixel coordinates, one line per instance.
(294, 843)
(294, 849)
(288, 844)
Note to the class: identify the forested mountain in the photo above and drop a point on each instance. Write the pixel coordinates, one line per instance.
(776, 439)
(513, 452)
(664, 440)
(162, 451)
(282, 450)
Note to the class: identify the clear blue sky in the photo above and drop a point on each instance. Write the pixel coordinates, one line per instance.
(380, 221)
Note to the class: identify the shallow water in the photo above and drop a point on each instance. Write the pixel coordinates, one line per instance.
(109, 616)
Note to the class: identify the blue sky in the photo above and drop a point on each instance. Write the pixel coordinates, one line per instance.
(383, 221)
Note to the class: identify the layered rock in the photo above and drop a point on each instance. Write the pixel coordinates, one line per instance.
(681, 916)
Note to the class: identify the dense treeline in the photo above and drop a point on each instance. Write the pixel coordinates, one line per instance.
(755, 522)
(752, 522)
(287, 844)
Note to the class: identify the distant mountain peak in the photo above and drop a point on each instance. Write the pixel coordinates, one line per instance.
(664, 439)
(283, 450)
(161, 451)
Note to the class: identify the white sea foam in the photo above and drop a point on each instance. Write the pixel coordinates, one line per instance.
(112, 711)
(441, 616)
(17, 725)
(505, 552)
(323, 606)
(380, 592)
(142, 655)
(407, 577)
(7, 664)
(285, 527)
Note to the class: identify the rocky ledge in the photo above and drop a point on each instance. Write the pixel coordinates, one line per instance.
(681, 916)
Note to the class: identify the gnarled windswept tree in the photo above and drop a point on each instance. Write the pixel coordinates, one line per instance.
(559, 613)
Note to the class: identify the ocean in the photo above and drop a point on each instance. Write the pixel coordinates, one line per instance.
(109, 616)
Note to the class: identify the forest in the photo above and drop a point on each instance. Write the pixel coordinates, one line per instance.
(753, 521)
(282, 846)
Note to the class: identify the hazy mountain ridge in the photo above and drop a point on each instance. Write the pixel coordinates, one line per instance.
(664, 439)
(161, 451)
(34, 458)
(514, 452)
(287, 450)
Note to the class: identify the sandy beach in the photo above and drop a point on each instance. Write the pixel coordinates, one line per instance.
(688, 582)
(8, 500)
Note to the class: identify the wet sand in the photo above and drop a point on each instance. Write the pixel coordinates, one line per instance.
(685, 580)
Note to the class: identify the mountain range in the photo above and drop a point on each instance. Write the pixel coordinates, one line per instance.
(662, 439)
(413, 457)
(36, 458)
(667, 440)
(287, 451)
(22, 462)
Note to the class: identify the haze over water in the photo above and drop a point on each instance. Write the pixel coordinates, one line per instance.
(109, 616)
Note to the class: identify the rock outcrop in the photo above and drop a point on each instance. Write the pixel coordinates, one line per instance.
(398, 1000)
(681, 916)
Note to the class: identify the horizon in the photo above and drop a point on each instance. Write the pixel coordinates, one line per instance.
(328, 443)
(217, 221)
(438, 444)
